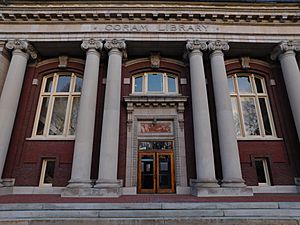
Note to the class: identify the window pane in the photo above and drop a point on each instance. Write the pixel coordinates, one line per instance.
(171, 84)
(78, 85)
(49, 172)
(155, 145)
(236, 116)
(58, 116)
(261, 176)
(265, 116)
(138, 84)
(43, 114)
(74, 114)
(48, 86)
(244, 84)
(250, 116)
(63, 84)
(230, 84)
(155, 82)
(258, 84)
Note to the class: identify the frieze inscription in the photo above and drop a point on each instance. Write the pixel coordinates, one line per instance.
(153, 28)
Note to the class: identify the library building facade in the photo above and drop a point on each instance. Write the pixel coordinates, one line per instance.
(116, 98)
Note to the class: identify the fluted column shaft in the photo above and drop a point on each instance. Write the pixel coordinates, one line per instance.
(231, 167)
(111, 116)
(291, 74)
(83, 149)
(11, 93)
(202, 130)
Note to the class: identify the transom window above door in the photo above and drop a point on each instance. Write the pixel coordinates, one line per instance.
(154, 83)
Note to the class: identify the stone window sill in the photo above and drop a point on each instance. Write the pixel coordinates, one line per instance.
(49, 138)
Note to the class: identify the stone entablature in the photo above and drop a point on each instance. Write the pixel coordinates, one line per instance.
(149, 12)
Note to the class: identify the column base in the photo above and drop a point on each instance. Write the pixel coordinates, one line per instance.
(109, 188)
(219, 192)
(234, 183)
(204, 183)
(79, 184)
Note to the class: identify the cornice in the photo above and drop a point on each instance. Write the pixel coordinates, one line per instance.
(48, 13)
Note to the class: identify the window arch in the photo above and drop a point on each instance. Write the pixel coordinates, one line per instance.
(154, 83)
(58, 105)
(250, 104)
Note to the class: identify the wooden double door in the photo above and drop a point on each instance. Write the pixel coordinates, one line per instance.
(156, 172)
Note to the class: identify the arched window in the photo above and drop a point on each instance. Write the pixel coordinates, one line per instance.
(58, 105)
(250, 104)
(154, 83)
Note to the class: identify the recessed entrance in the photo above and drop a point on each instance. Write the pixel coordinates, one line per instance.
(156, 167)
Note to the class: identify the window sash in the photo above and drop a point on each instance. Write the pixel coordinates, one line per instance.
(256, 96)
(145, 83)
(52, 96)
(42, 182)
(265, 171)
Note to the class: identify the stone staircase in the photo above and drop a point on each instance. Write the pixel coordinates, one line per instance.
(260, 213)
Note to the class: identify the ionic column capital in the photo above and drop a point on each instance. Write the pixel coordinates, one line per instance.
(115, 44)
(218, 45)
(23, 46)
(284, 47)
(192, 45)
(92, 44)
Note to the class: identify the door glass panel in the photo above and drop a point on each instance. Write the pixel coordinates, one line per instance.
(165, 179)
(147, 172)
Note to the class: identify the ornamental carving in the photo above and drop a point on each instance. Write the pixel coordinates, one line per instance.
(23, 46)
(196, 45)
(115, 44)
(218, 45)
(283, 47)
(155, 60)
(91, 44)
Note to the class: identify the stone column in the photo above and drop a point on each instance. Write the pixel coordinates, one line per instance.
(82, 158)
(231, 167)
(11, 92)
(285, 51)
(107, 181)
(202, 130)
(4, 64)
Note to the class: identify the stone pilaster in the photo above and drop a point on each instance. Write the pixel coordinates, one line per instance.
(107, 182)
(21, 51)
(202, 130)
(231, 167)
(285, 52)
(82, 158)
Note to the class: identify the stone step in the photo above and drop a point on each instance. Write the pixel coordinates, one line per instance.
(158, 211)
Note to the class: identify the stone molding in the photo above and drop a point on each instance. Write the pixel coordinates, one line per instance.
(92, 44)
(192, 45)
(218, 46)
(284, 46)
(22, 45)
(181, 12)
